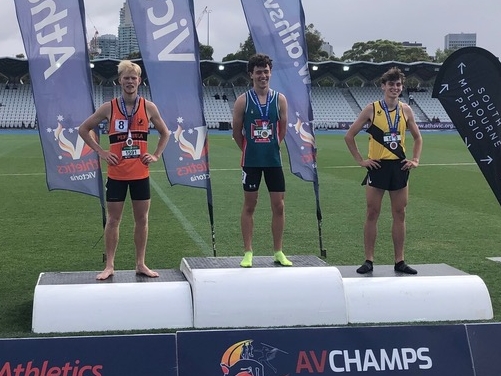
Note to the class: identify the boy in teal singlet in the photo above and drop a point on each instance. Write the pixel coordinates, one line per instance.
(259, 126)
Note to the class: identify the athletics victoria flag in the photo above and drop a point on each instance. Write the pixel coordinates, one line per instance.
(54, 39)
(468, 86)
(169, 47)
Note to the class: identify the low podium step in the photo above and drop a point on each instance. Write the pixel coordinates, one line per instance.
(438, 292)
(76, 301)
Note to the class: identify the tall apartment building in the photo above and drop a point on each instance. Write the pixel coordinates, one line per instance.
(108, 46)
(127, 41)
(455, 41)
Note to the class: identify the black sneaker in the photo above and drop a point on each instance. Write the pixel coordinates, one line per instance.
(402, 267)
(366, 267)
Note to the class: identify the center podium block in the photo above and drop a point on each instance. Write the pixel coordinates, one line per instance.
(267, 295)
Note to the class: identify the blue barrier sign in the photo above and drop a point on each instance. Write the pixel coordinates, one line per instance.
(152, 355)
(485, 344)
(396, 350)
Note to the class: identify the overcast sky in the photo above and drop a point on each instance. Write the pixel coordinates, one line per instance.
(341, 22)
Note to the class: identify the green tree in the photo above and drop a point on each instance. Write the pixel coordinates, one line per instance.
(206, 52)
(440, 55)
(382, 50)
(134, 55)
(247, 49)
(412, 54)
(314, 42)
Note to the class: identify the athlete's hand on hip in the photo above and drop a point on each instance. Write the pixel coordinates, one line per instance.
(148, 158)
(110, 158)
(371, 164)
(409, 163)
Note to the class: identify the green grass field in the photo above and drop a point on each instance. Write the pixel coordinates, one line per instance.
(452, 217)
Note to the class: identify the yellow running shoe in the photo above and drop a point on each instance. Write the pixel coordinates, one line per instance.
(247, 260)
(281, 259)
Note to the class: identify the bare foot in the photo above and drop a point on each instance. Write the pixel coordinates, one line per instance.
(144, 270)
(105, 274)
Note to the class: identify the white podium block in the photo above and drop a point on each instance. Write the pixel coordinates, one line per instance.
(226, 295)
(454, 296)
(76, 301)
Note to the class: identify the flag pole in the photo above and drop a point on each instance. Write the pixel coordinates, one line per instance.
(323, 252)
(211, 216)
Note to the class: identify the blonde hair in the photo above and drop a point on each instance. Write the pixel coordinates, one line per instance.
(127, 66)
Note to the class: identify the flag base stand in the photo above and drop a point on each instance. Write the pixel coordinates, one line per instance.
(215, 292)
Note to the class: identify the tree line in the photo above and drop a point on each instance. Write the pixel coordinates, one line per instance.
(376, 51)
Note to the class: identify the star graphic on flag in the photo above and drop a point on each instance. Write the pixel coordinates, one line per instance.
(190, 131)
(180, 120)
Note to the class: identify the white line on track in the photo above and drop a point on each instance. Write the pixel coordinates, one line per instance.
(188, 227)
(237, 169)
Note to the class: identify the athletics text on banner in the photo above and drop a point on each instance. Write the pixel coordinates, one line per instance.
(468, 86)
(54, 38)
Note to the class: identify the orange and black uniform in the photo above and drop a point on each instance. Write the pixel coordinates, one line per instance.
(129, 166)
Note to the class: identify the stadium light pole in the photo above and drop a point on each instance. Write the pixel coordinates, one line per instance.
(209, 11)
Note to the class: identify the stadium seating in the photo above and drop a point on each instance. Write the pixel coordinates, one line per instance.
(430, 106)
(331, 105)
(18, 107)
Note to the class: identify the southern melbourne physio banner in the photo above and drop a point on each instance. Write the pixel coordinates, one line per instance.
(469, 87)
(277, 29)
(54, 39)
(169, 47)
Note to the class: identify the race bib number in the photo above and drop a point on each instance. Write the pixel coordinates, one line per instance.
(121, 125)
(392, 140)
(131, 152)
(261, 132)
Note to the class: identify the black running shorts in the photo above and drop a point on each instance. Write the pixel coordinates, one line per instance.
(389, 177)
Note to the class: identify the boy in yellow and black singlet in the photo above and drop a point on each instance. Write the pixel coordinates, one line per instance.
(259, 126)
(128, 162)
(387, 165)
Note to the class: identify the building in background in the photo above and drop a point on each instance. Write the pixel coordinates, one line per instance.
(414, 44)
(127, 41)
(326, 47)
(108, 47)
(455, 41)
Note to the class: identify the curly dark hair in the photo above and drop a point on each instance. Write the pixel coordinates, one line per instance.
(259, 60)
(393, 74)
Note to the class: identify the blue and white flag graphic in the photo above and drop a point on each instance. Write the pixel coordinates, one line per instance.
(168, 43)
(54, 39)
